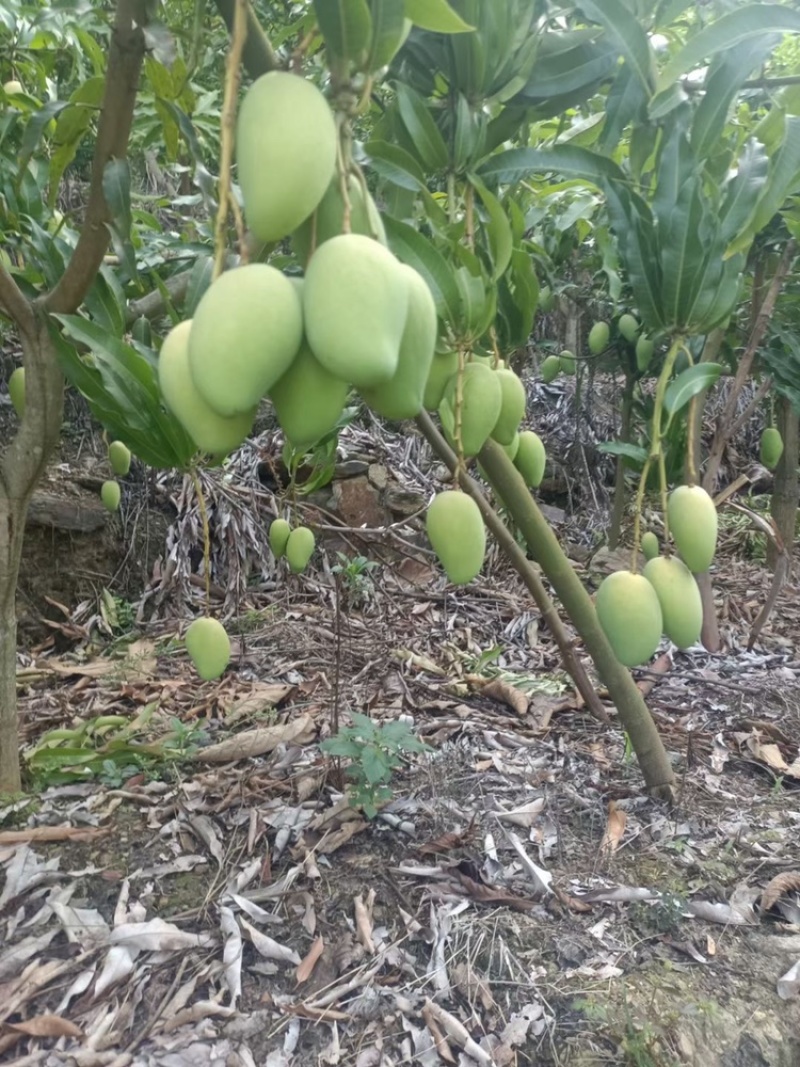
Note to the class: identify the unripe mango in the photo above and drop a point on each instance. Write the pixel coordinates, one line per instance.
(512, 406)
(457, 535)
(693, 522)
(629, 612)
(546, 299)
(279, 532)
(442, 370)
(480, 405)
(644, 352)
(551, 368)
(13, 87)
(403, 395)
(16, 390)
(300, 548)
(209, 647)
(598, 338)
(111, 495)
(679, 597)
(512, 449)
(286, 152)
(247, 330)
(328, 219)
(628, 326)
(355, 302)
(119, 456)
(771, 448)
(649, 545)
(531, 458)
(567, 361)
(209, 431)
(308, 400)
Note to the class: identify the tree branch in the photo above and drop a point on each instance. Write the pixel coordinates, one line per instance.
(258, 54)
(15, 304)
(122, 81)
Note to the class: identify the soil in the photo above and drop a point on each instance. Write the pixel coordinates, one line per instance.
(624, 933)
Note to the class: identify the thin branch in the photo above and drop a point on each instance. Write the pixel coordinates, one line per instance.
(15, 304)
(122, 80)
(258, 55)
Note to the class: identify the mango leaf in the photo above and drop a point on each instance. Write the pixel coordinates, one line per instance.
(346, 26)
(422, 129)
(722, 83)
(417, 251)
(395, 165)
(517, 164)
(199, 281)
(388, 32)
(755, 20)
(688, 384)
(625, 103)
(498, 228)
(628, 34)
(743, 191)
(435, 15)
(117, 191)
(783, 180)
(624, 448)
(568, 69)
(632, 222)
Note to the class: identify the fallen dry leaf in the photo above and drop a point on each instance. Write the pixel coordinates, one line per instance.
(506, 693)
(52, 833)
(309, 961)
(46, 1026)
(256, 742)
(363, 912)
(615, 828)
(488, 894)
(788, 882)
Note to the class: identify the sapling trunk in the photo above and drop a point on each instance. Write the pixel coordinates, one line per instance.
(544, 547)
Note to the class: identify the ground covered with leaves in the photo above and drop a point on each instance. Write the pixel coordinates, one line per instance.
(189, 883)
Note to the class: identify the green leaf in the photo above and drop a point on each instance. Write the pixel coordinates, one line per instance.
(498, 228)
(422, 129)
(743, 191)
(374, 764)
(689, 384)
(518, 164)
(632, 222)
(722, 83)
(625, 103)
(199, 281)
(755, 20)
(388, 32)
(435, 15)
(117, 191)
(395, 165)
(628, 34)
(417, 251)
(346, 26)
(568, 69)
(624, 448)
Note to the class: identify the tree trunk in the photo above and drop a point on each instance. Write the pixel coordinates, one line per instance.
(23, 464)
(618, 508)
(544, 547)
(785, 487)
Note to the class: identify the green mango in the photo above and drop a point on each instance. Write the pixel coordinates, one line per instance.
(443, 367)
(598, 338)
(209, 647)
(531, 458)
(629, 612)
(628, 326)
(300, 548)
(512, 406)
(693, 524)
(328, 219)
(286, 144)
(111, 495)
(679, 597)
(550, 369)
(771, 448)
(457, 535)
(279, 532)
(644, 353)
(119, 456)
(480, 407)
(567, 362)
(308, 400)
(16, 390)
(649, 545)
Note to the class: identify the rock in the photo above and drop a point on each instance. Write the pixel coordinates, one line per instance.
(378, 475)
(358, 503)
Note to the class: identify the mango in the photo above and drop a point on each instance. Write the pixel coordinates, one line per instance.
(546, 299)
(111, 495)
(403, 395)
(286, 153)
(13, 87)
(209, 431)
(512, 449)
(480, 405)
(119, 456)
(629, 612)
(649, 545)
(679, 597)
(209, 647)
(300, 548)
(279, 532)
(457, 535)
(550, 369)
(628, 326)
(442, 370)
(247, 330)
(598, 338)
(355, 303)
(567, 361)
(644, 353)
(531, 458)
(328, 219)
(771, 448)
(693, 522)
(513, 401)
(308, 401)
(16, 390)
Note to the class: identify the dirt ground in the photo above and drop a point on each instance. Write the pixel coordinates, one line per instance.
(519, 899)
